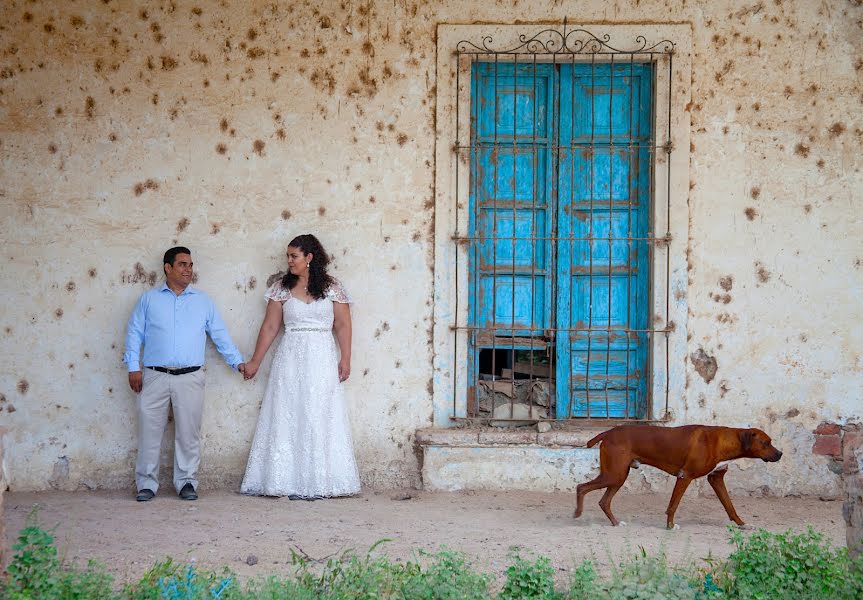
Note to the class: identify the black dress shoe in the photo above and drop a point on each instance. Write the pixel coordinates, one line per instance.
(145, 495)
(188, 492)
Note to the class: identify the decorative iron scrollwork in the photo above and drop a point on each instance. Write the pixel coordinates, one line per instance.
(574, 41)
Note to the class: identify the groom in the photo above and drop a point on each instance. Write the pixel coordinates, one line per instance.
(172, 322)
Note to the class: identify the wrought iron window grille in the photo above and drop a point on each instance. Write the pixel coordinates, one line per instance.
(494, 393)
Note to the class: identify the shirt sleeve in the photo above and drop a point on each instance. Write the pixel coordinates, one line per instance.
(222, 339)
(277, 292)
(135, 335)
(337, 293)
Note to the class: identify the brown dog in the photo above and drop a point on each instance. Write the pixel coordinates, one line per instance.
(687, 452)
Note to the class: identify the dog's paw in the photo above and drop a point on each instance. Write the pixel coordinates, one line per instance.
(621, 523)
(745, 527)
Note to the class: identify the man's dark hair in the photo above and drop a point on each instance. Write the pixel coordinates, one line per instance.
(171, 255)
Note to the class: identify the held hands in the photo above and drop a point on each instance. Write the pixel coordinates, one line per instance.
(344, 369)
(136, 381)
(248, 369)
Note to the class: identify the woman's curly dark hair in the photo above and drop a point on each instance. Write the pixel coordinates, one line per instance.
(319, 280)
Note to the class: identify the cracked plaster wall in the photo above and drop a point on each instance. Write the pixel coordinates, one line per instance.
(127, 127)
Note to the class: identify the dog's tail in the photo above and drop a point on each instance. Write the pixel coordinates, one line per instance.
(595, 440)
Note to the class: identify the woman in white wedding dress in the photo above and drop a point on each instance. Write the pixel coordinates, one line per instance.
(302, 446)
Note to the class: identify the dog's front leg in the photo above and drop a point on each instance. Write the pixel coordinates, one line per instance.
(679, 489)
(717, 482)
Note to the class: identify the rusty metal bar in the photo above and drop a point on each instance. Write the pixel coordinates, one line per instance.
(590, 222)
(629, 235)
(455, 202)
(475, 275)
(610, 218)
(668, 329)
(668, 227)
(651, 249)
(514, 231)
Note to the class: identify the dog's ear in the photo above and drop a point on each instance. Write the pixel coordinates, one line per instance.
(747, 436)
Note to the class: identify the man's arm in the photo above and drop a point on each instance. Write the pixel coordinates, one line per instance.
(222, 339)
(134, 338)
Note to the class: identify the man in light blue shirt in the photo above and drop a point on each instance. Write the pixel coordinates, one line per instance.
(172, 321)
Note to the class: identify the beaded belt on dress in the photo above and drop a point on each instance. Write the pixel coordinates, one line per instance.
(309, 329)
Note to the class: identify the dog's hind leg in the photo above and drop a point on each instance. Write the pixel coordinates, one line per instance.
(600, 481)
(679, 489)
(610, 474)
(605, 502)
(717, 482)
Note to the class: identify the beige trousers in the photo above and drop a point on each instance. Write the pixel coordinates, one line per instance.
(186, 394)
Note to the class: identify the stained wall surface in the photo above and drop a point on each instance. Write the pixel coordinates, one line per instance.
(128, 127)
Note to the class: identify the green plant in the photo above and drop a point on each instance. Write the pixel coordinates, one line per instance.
(784, 565)
(584, 584)
(526, 579)
(447, 576)
(649, 577)
(37, 572)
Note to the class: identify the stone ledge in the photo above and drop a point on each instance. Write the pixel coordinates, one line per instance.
(484, 437)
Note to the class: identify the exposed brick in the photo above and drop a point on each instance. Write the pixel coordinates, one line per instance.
(828, 445)
(828, 429)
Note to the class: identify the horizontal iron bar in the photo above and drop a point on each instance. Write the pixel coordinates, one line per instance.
(586, 421)
(524, 339)
(666, 239)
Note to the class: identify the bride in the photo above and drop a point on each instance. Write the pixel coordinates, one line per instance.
(302, 446)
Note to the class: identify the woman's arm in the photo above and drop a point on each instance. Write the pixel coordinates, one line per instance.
(269, 330)
(342, 328)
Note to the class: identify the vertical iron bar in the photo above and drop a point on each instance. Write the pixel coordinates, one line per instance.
(668, 230)
(592, 157)
(629, 261)
(515, 93)
(474, 247)
(649, 360)
(455, 201)
(571, 336)
(495, 158)
(610, 222)
(533, 255)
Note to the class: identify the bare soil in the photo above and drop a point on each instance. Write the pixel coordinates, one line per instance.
(224, 528)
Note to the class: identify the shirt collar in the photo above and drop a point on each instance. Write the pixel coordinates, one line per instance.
(189, 289)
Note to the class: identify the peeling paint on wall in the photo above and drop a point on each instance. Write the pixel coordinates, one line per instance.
(130, 127)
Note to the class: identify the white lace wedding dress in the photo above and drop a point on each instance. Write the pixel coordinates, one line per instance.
(302, 445)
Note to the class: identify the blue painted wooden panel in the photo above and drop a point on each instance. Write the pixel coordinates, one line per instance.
(512, 232)
(602, 272)
(512, 181)
(512, 173)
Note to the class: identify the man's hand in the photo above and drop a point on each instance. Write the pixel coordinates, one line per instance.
(136, 381)
(344, 369)
(242, 369)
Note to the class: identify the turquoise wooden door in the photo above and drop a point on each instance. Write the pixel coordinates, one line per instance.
(559, 203)
(512, 134)
(602, 258)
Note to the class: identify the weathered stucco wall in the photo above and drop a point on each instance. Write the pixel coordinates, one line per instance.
(232, 126)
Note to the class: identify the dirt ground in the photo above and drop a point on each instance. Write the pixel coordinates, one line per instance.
(224, 528)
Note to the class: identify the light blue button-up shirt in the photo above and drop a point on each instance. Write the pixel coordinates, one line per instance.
(174, 330)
